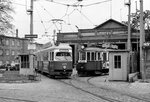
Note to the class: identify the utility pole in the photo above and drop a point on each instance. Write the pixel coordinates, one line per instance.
(31, 19)
(129, 34)
(142, 40)
(129, 25)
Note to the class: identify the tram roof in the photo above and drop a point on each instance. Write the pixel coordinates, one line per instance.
(60, 46)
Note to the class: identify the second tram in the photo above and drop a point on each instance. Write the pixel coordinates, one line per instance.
(93, 60)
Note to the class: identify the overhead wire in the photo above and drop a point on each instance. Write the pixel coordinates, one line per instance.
(96, 3)
(58, 3)
(65, 12)
(46, 10)
(49, 15)
(78, 5)
(42, 22)
(86, 17)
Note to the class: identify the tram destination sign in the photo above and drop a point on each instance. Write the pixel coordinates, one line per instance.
(31, 36)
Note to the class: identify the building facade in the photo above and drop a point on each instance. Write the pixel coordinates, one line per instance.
(10, 47)
(108, 34)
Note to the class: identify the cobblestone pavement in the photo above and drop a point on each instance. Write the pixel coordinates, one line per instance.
(50, 90)
(46, 90)
(141, 88)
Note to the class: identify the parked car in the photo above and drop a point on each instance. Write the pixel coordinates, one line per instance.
(2, 67)
(7, 66)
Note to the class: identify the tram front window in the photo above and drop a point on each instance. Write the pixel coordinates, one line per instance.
(63, 56)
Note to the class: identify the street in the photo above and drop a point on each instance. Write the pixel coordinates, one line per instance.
(46, 90)
(80, 89)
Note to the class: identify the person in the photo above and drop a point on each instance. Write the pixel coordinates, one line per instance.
(74, 72)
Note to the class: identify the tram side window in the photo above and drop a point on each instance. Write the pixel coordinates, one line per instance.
(82, 55)
(25, 61)
(117, 61)
(104, 56)
(45, 56)
(52, 55)
(88, 56)
(92, 56)
(99, 56)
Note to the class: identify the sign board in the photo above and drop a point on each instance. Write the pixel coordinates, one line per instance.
(31, 46)
(146, 44)
(107, 45)
(31, 36)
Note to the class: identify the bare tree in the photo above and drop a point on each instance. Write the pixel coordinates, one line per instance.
(5, 16)
(135, 22)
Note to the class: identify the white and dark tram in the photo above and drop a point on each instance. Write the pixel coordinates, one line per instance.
(93, 60)
(55, 60)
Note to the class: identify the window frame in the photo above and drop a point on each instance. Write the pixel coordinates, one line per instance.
(117, 61)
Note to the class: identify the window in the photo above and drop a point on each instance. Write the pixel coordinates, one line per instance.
(99, 56)
(7, 62)
(18, 52)
(45, 56)
(1, 62)
(82, 56)
(52, 55)
(1, 52)
(25, 61)
(63, 54)
(18, 43)
(88, 56)
(13, 42)
(117, 61)
(7, 52)
(7, 42)
(92, 56)
(13, 52)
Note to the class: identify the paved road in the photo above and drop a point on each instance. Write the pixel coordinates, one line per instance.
(50, 90)
(46, 90)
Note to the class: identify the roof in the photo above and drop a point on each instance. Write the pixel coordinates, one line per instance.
(13, 37)
(111, 23)
(60, 46)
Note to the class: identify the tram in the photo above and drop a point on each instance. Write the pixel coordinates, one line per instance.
(93, 60)
(55, 60)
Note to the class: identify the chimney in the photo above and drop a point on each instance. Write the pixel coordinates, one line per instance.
(16, 33)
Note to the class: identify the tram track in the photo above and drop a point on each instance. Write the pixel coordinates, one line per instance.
(70, 83)
(137, 97)
(103, 93)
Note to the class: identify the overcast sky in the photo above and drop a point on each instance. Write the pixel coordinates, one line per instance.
(45, 11)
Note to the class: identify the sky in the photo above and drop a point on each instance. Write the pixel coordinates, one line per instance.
(71, 18)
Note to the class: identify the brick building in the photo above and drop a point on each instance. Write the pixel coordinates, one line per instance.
(10, 47)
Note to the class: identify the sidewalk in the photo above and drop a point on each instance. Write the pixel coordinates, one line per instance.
(134, 87)
(13, 77)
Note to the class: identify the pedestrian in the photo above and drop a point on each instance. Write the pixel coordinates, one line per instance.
(74, 72)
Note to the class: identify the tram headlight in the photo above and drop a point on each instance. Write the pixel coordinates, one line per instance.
(64, 67)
